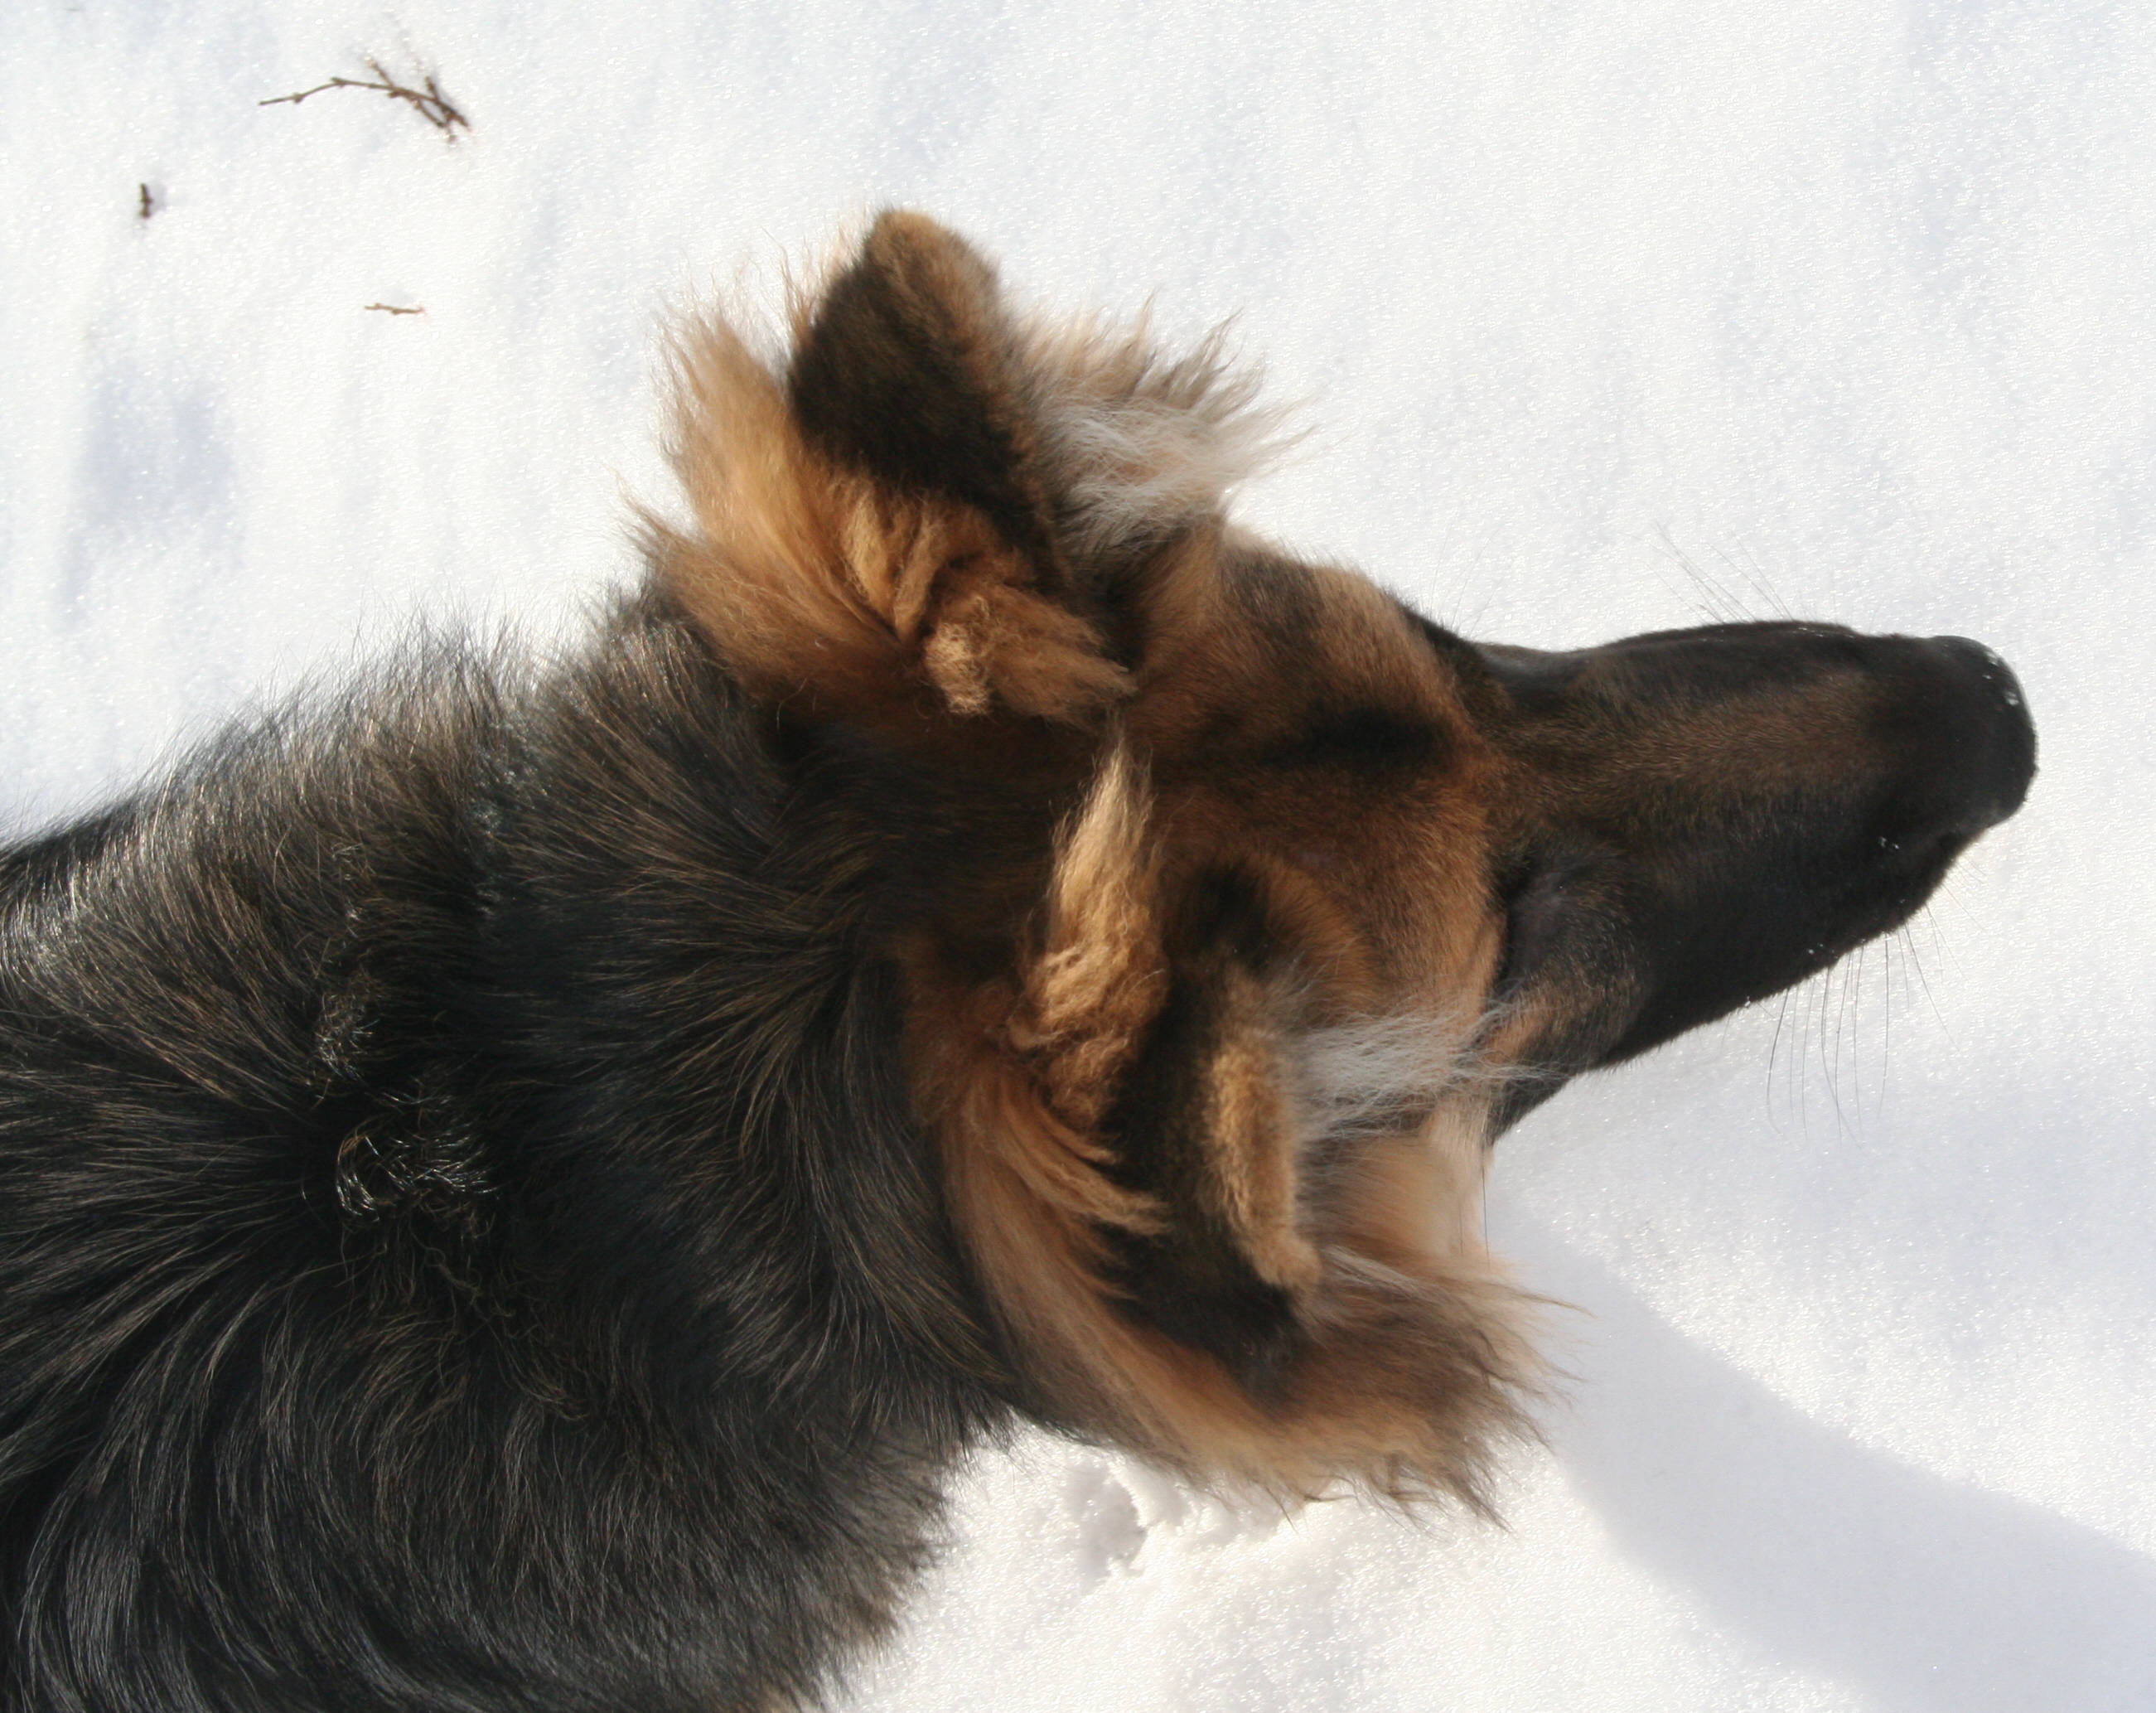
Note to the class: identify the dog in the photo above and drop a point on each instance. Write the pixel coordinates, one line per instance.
(518, 1182)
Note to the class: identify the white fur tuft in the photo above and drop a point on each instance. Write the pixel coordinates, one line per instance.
(1384, 1075)
(1140, 447)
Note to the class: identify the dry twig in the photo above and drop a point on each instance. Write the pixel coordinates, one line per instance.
(430, 103)
(399, 309)
(148, 204)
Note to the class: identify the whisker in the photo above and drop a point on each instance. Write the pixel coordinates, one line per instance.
(1760, 583)
(1773, 1052)
(1826, 1061)
(1886, 1022)
(1917, 962)
(1720, 606)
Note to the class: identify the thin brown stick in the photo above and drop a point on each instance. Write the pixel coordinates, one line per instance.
(147, 206)
(430, 103)
(398, 309)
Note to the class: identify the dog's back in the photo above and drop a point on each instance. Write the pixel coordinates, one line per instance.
(423, 1128)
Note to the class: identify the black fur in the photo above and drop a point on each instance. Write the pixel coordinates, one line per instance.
(462, 1241)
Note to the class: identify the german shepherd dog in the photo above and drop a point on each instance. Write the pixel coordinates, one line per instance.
(518, 1182)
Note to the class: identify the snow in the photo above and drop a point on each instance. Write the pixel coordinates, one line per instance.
(1609, 317)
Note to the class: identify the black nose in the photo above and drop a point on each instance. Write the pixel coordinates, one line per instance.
(2005, 760)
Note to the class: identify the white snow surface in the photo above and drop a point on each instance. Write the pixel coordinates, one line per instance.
(1609, 317)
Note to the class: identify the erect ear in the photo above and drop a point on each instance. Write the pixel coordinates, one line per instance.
(908, 371)
(1210, 1126)
(873, 528)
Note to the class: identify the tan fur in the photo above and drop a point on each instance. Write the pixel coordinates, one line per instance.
(861, 584)
(762, 571)
(1421, 1347)
(1097, 979)
(1255, 1141)
(816, 581)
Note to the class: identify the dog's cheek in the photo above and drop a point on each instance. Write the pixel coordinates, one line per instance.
(1566, 1012)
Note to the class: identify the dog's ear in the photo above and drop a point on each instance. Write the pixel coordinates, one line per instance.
(874, 535)
(1209, 1125)
(1210, 1234)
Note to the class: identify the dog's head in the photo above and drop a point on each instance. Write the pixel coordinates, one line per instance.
(1239, 906)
